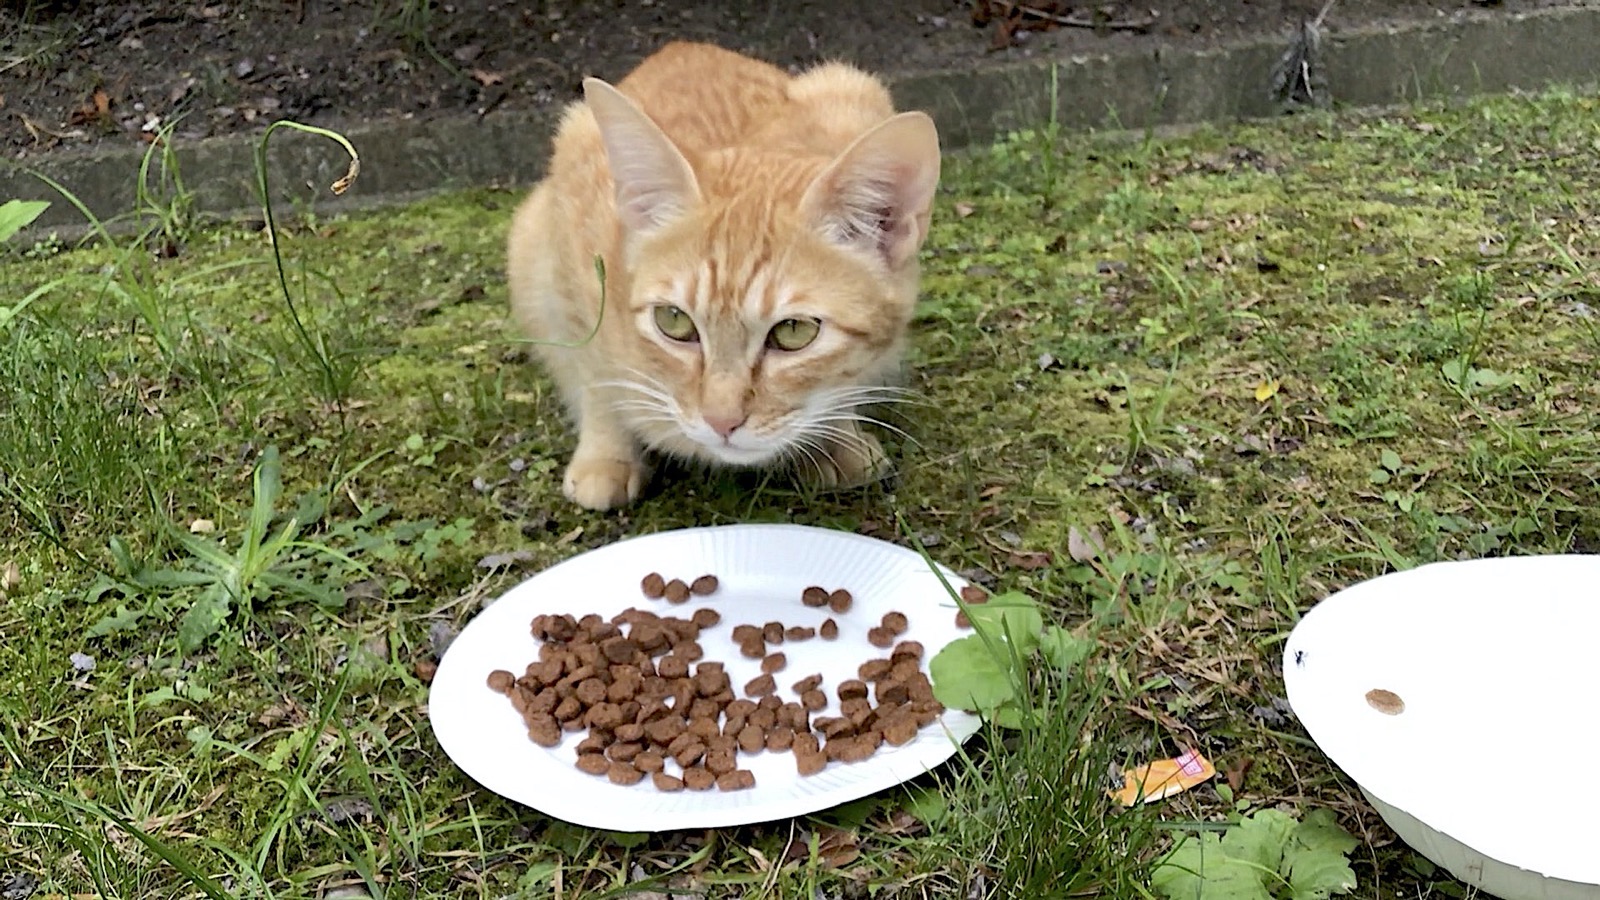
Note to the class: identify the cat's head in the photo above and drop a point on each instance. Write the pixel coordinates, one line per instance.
(769, 294)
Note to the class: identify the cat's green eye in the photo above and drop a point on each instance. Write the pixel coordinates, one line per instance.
(675, 323)
(793, 334)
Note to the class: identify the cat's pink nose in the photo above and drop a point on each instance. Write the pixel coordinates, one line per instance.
(725, 425)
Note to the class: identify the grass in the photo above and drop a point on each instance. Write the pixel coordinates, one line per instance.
(1260, 362)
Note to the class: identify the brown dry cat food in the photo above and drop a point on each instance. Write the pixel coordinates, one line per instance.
(839, 601)
(962, 621)
(543, 730)
(673, 667)
(874, 669)
(593, 763)
(704, 586)
(809, 762)
(501, 681)
(780, 738)
(852, 690)
(814, 700)
(754, 649)
(706, 617)
(900, 729)
(698, 778)
(743, 633)
(879, 636)
(906, 650)
(829, 630)
(624, 774)
(772, 632)
(737, 780)
(810, 682)
(774, 663)
(895, 622)
(760, 686)
(973, 594)
(665, 783)
(752, 739)
(676, 591)
(814, 596)
(799, 632)
(654, 586)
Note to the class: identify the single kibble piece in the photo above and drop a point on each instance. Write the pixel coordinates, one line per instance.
(593, 763)
(906, 650)
(900, 730)
(706, 617)
(676, 591)
(654, 586)
(622, 773)
(737, 780)
(752, 739)
(760, 686)
(704, 586)
(698, 778)
(596, 742)
(742, 633)
(672, 667)
(799, 632)
(892, 692)
(814, 596)
(852, 690)
(839, 601)
(632, 731)
(974, 594)
(829, 630)
(814, 700)
(543, 730)
(962, 621)
(623, 752)
(720, 761)
(895, 622)
(809, 762)
(856, 709)
(874, 669)
(501, 681)
(780, 739)
(810, 682)
(880, 636)
(667, 784)
(774, 663)
(648, 761)
(753, 649)
(772, 632)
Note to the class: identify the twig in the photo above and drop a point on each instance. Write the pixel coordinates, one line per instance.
(1075, 22)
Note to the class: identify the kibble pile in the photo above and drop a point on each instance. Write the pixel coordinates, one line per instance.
(653, 706)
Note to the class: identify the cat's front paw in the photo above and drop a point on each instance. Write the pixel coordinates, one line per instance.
(850, 464)
(602, 484)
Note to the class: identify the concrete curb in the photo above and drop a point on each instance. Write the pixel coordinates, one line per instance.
(407, 158)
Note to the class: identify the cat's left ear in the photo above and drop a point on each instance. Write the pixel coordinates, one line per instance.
(655, 184)
(878, 194)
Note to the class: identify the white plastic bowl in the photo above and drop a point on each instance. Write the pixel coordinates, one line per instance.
(1492, 768)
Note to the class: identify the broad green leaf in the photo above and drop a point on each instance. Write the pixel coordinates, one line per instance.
(1318, 874)
(268, 485)
(16, 215)
(124, 619)
(1010, 614)
(1064, 649)
(1261, 839)
(1390, 460)
(1319, 830)
(967, 676)
(203, 618)
(1199, 869)
(1315, 860)
(927, 805)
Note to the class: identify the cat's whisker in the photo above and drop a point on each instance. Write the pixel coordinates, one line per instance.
(870, 420)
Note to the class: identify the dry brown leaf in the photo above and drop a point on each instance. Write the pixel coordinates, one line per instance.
(1084, 547)
(10, 576)
(487, 78)
(1029, 560)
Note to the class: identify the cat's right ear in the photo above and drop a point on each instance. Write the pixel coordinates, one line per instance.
(655, 184)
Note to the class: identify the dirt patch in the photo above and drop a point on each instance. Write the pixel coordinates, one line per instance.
(76, 74)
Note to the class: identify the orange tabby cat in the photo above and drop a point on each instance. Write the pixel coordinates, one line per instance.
(759, 235)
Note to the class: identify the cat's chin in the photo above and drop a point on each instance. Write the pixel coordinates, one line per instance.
(727, 455)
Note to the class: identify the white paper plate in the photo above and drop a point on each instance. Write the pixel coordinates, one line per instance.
(762, 570)
(1490, 769)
